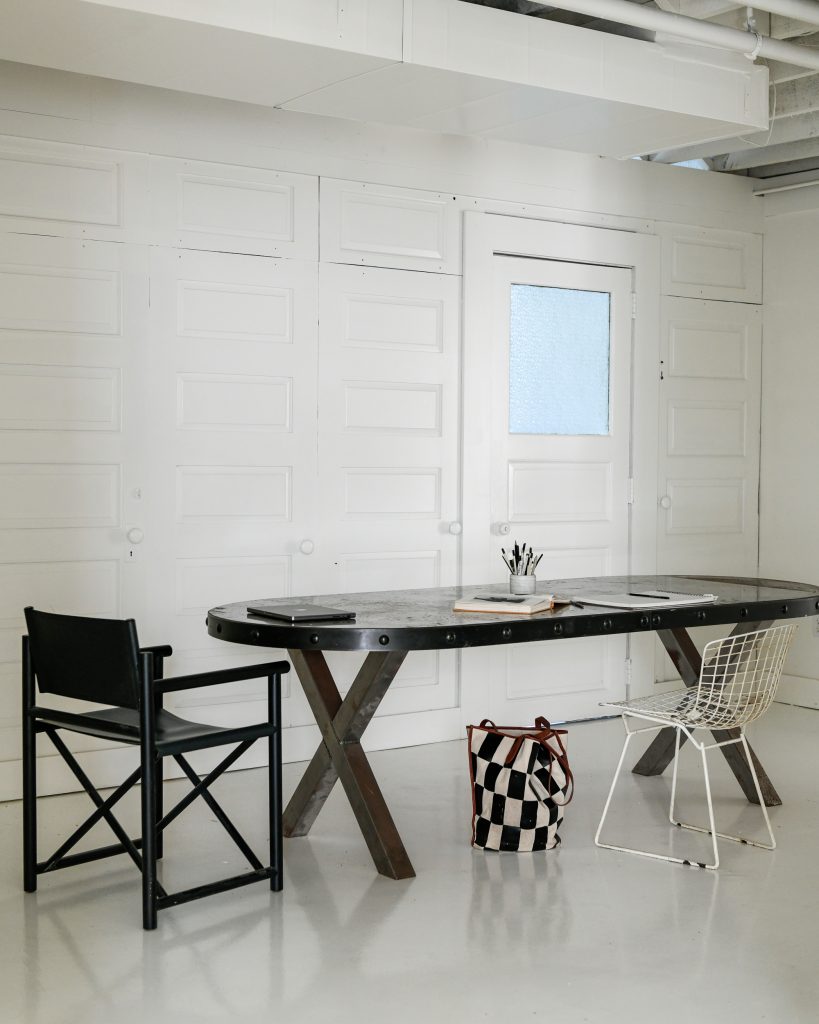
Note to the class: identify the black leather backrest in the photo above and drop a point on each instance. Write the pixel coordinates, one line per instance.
(85, 658)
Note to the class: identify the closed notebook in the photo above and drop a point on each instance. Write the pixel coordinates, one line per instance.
(506, 604)
(299, 612)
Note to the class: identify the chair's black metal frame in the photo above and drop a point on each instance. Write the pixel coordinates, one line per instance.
(143, 727)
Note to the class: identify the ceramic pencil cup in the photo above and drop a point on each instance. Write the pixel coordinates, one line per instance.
(521, 584)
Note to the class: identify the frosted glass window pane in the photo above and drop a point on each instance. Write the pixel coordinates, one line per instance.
(558, 361)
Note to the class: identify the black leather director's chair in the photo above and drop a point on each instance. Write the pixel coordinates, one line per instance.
(100, 660)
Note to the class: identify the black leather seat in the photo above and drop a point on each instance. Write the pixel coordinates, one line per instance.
(100, 660)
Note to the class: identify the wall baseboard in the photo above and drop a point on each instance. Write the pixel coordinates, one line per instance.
(799, 690)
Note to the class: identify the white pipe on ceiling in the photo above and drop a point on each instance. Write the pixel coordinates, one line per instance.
(749, 43)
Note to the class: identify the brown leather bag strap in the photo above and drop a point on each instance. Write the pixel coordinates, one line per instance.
(517, 743)
(562, 759)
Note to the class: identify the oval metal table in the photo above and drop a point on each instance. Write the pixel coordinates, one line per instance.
(390, 624)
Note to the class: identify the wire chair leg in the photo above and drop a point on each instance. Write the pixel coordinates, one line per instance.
(597, 842)
(713, 829)
(647, 853)
(755, 777)
(671, 817)
(727, 835)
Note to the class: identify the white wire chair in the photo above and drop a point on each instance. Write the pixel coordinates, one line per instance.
(737, 684)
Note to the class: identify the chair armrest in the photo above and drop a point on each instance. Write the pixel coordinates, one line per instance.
(158, 650)
(225, 675)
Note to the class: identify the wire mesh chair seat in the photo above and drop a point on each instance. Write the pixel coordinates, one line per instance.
(736, 685)
(99, 660)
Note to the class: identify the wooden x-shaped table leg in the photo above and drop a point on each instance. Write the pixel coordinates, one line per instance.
(660, 753)
(340, 756)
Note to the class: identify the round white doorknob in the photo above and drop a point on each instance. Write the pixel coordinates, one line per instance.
(665, 501)
(455, 528)
(307, 547)
(504, 529)
(135, 535)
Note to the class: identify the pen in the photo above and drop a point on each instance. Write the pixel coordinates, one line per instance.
(507, 600)
(658, 597)
(576, 604)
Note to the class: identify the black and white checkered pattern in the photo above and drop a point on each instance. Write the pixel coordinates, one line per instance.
(519, 806)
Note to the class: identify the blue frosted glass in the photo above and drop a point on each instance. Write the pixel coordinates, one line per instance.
(558, 361)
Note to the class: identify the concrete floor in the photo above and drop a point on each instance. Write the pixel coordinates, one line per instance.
(576, 934)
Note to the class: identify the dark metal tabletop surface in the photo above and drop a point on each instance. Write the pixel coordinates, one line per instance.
(414, 620)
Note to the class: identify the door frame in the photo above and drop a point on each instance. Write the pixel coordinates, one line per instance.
(487, 235)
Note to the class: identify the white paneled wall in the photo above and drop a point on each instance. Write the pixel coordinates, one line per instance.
(707, 264)
(238, 332)
(789, 548)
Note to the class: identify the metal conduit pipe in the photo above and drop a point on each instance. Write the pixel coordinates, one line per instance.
(749, 43)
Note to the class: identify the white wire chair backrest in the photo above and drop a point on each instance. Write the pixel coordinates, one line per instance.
(739, 676)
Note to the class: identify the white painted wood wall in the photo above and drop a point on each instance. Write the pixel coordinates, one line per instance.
(789, 543)
(238, 330)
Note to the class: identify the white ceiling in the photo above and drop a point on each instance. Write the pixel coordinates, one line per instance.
(441, 65)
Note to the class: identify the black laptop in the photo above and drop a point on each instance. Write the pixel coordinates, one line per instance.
(299, 612)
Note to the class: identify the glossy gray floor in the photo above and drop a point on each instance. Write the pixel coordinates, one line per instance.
(576, 934)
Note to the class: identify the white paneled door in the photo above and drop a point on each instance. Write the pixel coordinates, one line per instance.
(559, 455)
(233, 359)
(72, 371)
(709, 427)
(389, 473)
(709, 437)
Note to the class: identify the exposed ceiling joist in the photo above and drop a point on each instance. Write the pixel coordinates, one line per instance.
(790, 28)
(805, 163)
(787, 182)
(768, 155)
(794, 98)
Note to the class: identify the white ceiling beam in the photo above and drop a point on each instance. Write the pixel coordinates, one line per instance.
(799, 10)
(764, 157)
(787, 182)
(783, 72)
(697, 8)
(804, 163)
(795, 98)
(790, 28)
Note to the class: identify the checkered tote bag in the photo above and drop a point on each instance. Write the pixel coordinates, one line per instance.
(521, 781)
